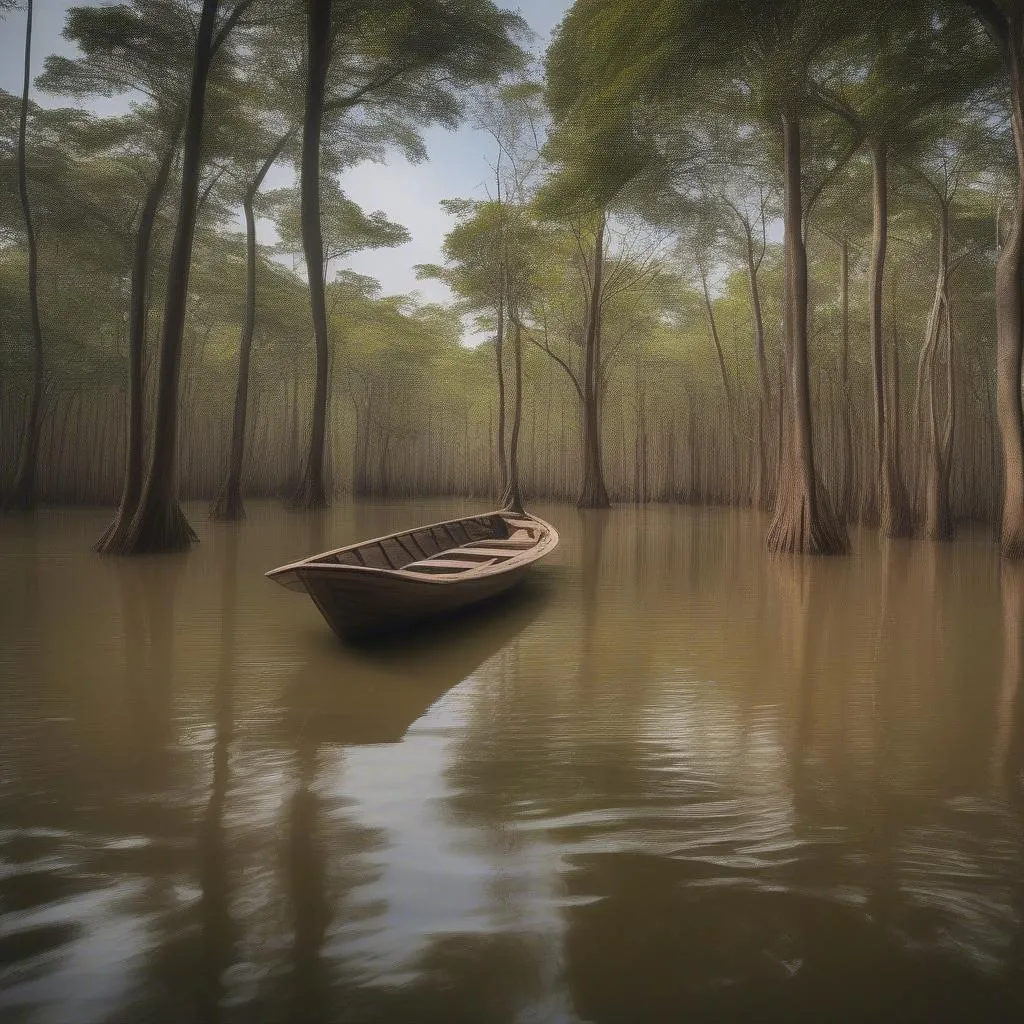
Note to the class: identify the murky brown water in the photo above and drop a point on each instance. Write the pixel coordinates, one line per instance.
(673, 779)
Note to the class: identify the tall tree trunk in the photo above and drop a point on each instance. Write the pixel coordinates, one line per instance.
(312, 493)
(761, 484)
(294, 458)
(513, 498)
(594, 493)
(137, 320)
(893, 505)
(499, 344)
(158, 523)
(844, 378)
(361, 453)
(713, 327)
(229, 503)
(23, 492)
(935, 450)
(803, 522)
(1009, 325)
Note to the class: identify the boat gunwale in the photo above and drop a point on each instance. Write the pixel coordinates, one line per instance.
(519, 560)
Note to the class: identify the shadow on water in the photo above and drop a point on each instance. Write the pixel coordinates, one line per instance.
(371, 692)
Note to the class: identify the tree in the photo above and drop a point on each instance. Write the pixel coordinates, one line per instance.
(344, 228)
(229, 503)
(264, 136)
(751, 216)
(318, 58)
(476, 254)
(1004, 21)
(790, 40)
(133, 47)
(23, 493)
(493, 252)
(944, 170)
(845, 222)
(904, 69)
(616, 70)
(594, 493)
(384, 54)
(158, 524)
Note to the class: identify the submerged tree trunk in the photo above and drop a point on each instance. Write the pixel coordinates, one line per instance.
(803, 522)
(594, 493)
(893, 504)
(137, 319)
(312, 493)
(513, 498)
(23, 492)
(229, 503)
(158, 523)
(1010, 322)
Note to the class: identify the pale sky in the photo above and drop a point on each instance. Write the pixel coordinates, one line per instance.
(457, 163)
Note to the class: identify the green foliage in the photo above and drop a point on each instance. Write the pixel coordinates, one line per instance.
(346, 227)
(664, 117)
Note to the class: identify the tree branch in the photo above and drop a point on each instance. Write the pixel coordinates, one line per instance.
(546, 348)
(229, 23)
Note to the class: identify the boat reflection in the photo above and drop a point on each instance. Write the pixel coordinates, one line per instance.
(372, 692)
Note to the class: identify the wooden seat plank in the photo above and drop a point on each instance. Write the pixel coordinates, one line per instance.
(447, 563)
(507, 552)
(516, 545)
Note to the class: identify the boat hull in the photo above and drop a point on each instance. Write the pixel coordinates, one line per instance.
(352, 608)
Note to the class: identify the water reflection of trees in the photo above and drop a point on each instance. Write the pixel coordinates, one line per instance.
(88, 827)
(773, 823)
(699, 782)
(339, 699)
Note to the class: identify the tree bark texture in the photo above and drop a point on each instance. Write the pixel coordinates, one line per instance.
(893, 503)
(312, 492)
(594, 493)
(158, 523)
(803, 522)
(513, 498)
(137, 320)
(229, 505)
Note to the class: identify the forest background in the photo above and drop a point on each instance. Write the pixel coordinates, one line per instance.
(745, 254)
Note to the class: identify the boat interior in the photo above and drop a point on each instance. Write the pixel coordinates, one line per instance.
(456, 547)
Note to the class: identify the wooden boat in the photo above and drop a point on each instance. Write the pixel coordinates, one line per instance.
(390, 581)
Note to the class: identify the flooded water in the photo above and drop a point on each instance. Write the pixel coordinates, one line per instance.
(672, 778)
